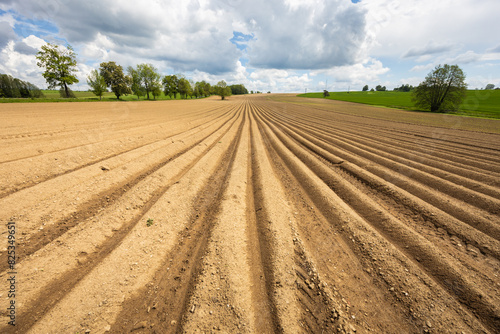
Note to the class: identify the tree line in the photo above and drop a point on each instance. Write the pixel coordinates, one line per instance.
(16, 88)
(144, 80)
(380, 88)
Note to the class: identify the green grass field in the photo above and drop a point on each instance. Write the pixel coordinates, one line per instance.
(53, 96)
(478, 103)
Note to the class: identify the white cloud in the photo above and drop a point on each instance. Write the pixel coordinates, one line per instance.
(309, 35)
(430, 48)
(20, 65)
(368, 71)
(419, 68)
(293, 44)
(494, 50)
(396, 26)
(6, 33)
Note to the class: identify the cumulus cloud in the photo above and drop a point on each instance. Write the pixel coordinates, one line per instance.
(397, 26)
(20, 65)
(24, 48)
(277, 45)
(303, 35)
(430, 49)
(367, 71)
(6, 34)
(186, 36)
(204, 35)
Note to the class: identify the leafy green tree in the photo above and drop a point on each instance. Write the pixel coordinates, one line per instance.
(171, 85)
(184, 87)
(149, 77)
(60, 66)
(404, 88)
(238, 89)
(443, 89)
(191, 89)
(5, 85)
(35, 92)
(197, 89)
(136, 82)
(13, 87)
(365, 88)
(490, 86)
(156, 89)
(97, 83)
(380, 88)
(222, 89)
(115, 79)
(206, 87)
(325, 93)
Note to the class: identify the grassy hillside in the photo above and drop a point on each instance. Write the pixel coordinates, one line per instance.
(478, 103)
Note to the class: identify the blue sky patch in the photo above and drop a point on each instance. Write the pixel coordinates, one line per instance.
(240, 39)
(25, 27)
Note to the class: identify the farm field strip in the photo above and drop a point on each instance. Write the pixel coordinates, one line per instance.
(400, 179)
(248, 215)
(391, 228)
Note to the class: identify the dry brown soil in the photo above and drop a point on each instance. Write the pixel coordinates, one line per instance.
(258, 214)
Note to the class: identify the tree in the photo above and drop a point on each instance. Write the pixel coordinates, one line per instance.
(365, 88)
(443, 89)
(191, 89)
(206, 88)
(171, 85)
(325, 93)
(404, 88)
(198, 89)
(59, 64)
(156, 89)
(222, 89)
(149, 77)
(136, 82)
(380, 88)
(490, 86)
(13, 87)
(238, 89)
(96, 83)
(115, 79)
(184, 87)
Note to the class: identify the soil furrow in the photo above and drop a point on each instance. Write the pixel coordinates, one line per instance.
(479, 220)
(94, 205)
(330, 128)
(410, 243)
(75, 158)
(57, 289)
(256, 214)
(420, 173)
(163, 303)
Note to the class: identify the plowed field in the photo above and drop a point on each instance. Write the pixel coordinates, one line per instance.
(257, 214)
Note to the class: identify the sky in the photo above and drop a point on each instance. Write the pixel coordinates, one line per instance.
(267, 45)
